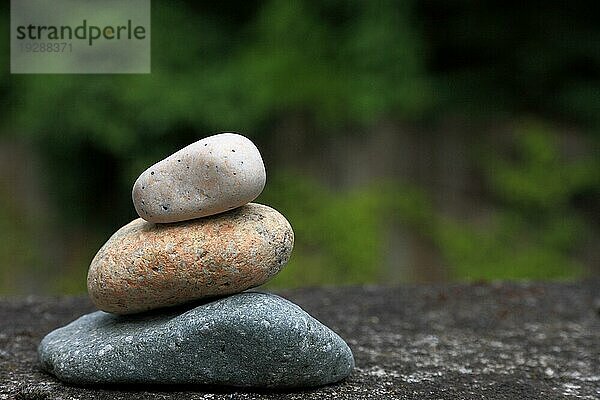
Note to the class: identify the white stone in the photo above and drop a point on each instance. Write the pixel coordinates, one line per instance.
(210, 176)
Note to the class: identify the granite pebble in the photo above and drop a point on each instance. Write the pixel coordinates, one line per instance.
(145, 266)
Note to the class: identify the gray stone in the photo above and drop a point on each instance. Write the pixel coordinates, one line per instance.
(249, 340)
(207, 177)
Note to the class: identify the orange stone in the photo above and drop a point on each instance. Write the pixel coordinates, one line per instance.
(144, 266)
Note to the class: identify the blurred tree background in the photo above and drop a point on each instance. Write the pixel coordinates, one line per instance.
(405, 141)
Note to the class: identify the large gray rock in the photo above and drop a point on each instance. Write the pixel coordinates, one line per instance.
(207, 177)
(248, 339)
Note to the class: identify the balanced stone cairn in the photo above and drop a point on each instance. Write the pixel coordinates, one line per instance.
(171, 286)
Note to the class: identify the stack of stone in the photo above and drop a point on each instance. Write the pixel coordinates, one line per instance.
(171, 286)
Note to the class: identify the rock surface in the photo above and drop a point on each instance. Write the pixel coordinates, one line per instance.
(145, 266)
(207, 177)
(248, 339)
(479, 341)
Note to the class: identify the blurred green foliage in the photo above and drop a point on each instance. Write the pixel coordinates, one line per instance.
(209, 73)
(341, 236)
(342, 67)
(534, 231)
(532, 234)
(338, 236)
(19, 244)
(213, 73)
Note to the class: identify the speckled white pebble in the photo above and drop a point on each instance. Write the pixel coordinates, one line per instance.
(207, 177)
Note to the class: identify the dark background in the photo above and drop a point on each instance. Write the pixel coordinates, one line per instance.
(404, 140)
